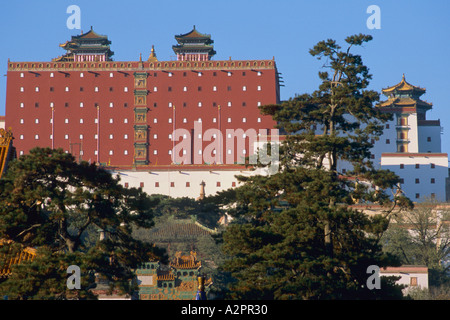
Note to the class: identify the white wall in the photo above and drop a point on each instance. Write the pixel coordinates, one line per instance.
(424, 173)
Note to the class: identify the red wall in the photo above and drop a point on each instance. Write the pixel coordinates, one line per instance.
(66, 77)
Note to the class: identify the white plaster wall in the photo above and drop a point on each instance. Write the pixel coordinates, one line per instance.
(424, 173)
(434, 132)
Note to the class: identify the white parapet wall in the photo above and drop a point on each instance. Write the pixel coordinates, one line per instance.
(183, 180)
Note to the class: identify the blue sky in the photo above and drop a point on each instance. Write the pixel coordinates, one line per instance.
(413, 39)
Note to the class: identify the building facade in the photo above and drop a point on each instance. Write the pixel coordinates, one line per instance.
(132, 114)
(411, 144)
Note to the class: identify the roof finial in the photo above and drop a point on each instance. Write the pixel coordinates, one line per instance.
(403, 77)
(194, 26)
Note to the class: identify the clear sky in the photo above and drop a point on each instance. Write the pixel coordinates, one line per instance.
(414, 36)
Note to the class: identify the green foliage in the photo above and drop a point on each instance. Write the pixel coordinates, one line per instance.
(58, 206)
(295, 235)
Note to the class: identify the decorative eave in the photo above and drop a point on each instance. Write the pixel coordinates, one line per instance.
(193, 34)
(405, 103)
(403, 86)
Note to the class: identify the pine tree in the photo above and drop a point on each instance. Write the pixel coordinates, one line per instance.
(296, 235)
(60, 207)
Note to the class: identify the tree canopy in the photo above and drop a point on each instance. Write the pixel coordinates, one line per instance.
(295, 233)
(62, 208)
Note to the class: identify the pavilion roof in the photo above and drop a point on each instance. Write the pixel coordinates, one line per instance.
(403, 86)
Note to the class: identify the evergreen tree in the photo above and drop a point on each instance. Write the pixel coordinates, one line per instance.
(60, 207)
(296, 235)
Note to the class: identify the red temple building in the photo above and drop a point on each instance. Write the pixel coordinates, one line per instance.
(124, 113)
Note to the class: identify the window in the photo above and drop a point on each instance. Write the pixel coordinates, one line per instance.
(21, 89)
(259, 88)
(81, 75)
(169, 89)
(417, 166)
(244, 119)
(125, 152)
(81, 121)
(229, 88)
(81, 137)
(111, 89)
(259, 119)
(170, 120)
(214, 88)
(199, 104)
(125, 120)
(413, 282)
(388, 141)
(125, 136)
(244, 88)
(66, 137)
(155, 120)
(111, 75)
(233, 184)
(156, 184)
(433, 195)
(184, 88)
(81, 105)
(433, 180)
(229, 103)
(96, 89)
(126, 185)
(155, 152)
(52, 89)
(22, 75)
(429, 139)
(402, 181)
(111, 137)
(111, 152)
(36, 105)
(229, 120)
(21, 137)
(417, 180)
(417, 195)
(259, 73)
(199, 88)
(172, 184)
(188, 184)
(155, 136)
(66, 120)
(111, 104)
(402, 166)
(141, 184)
(432, 165)
(36, 137)
(170, 74)
(111, 120)
(170, 105)
(184, 120)
(125, 89)
(22, 105)
(67, 89)
(155, 89)
(218, 184)
(36, 120)
(37, 89)
(387, 126)
(21, 121)
(229, 74)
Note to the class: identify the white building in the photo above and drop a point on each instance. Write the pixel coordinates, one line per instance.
(410, 276)
(411, 144)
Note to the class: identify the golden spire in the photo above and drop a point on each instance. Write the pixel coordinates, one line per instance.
(152, 57)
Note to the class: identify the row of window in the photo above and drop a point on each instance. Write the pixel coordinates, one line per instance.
(155, 151)
(172, 184)
(125, 120)
(155, 104)
(155, 74)
(417, 166)
(125, 89)
(417, 180)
